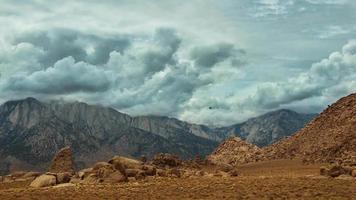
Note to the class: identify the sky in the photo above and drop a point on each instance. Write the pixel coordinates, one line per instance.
(202, 61)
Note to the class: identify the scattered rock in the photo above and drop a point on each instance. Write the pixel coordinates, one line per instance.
(174, 172)
(353, 172)
(62, 161)
(44, 181)
(161, 173)
(200, 173)
(1, 179)
(233, 173)
(116, 177)
(140, 175)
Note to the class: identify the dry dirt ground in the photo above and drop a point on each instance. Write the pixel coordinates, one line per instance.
(282, 179)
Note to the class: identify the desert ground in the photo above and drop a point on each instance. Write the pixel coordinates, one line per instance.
(281, 179)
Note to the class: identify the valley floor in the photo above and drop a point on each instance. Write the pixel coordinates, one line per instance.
(282, 179)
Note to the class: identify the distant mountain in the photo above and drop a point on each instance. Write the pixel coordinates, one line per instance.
(261, 131)
(330, 137)
(270, 127)
(31, 132)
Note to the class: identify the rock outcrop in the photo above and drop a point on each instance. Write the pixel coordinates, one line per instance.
(234, 151)
(62, 162)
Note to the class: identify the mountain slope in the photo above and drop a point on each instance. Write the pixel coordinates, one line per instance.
(261, 131)
(31, 132)
(270, 127)
(331, 137)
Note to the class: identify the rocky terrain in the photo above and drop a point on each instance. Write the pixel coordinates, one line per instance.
(330, 137)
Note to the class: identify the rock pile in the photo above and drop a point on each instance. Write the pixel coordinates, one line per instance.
(234, 151)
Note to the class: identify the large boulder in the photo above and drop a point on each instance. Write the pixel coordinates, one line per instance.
(120, 162)
(62, 161)
(102, 172)
(116, 177)
(44, 180)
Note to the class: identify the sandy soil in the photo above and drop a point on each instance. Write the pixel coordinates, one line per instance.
(268, 180)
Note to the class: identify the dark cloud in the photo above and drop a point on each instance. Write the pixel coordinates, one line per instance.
(61, 43)
(208, 56)
(168, 41)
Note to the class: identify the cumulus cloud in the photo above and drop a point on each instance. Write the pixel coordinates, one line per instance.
(338, 69)
(60, 43)
(64, 77)
(144, 74)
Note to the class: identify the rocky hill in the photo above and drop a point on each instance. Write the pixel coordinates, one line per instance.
(331, 137)
(32, 131)
(234, 151)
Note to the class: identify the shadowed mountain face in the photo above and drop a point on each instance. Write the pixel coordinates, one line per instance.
(31, 132)
(261, 131)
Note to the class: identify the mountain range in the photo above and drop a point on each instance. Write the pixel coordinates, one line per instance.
(31, 132)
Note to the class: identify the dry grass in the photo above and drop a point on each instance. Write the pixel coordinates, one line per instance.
(283, 179)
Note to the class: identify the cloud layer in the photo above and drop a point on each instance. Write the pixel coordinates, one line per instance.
(229, 61)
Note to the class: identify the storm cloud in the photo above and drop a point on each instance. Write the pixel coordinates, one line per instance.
(231, 60)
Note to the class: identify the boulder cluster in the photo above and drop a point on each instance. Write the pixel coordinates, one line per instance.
(121, 169)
